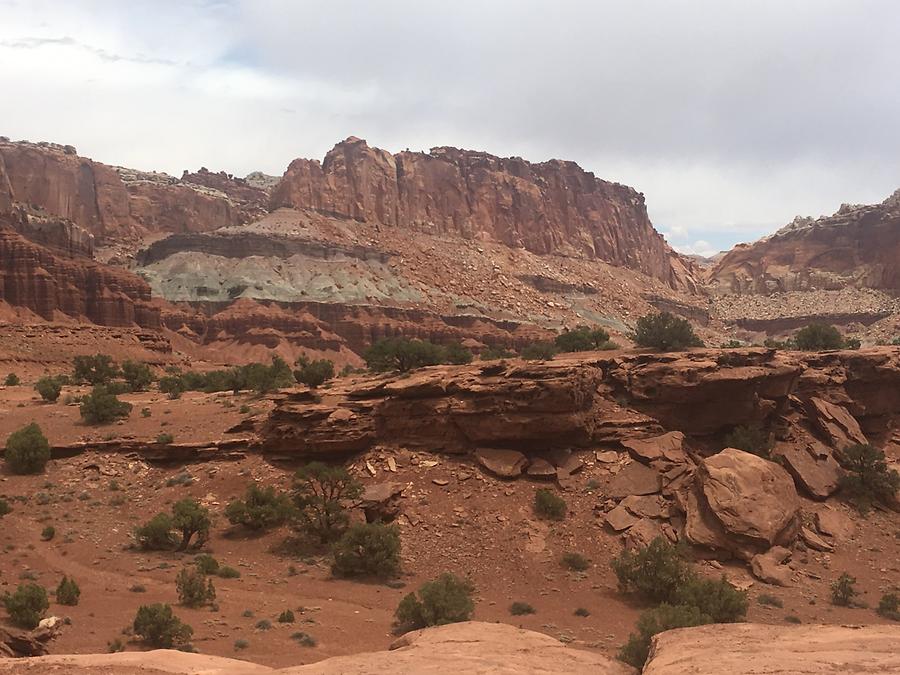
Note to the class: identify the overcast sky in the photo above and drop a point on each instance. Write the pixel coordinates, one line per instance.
(730, 116)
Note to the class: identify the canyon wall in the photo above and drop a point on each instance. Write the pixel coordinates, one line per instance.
(857, 247)
(552, 207)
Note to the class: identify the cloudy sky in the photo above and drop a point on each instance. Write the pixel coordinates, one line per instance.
(732, 116)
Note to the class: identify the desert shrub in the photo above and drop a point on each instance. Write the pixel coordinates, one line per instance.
(68, 593)
(581, 339)
(538, 351)
(818, 336)
(4, 507)
(790, 618)
(402, 354)
(173, 386)
(287, 616)
(654, 573)
(575, 561)
(27, 450)
(868, 479)
(263, 379)
(752, 439)
(263, 624)
(447, 599)
(732, 344)
(102, 407)
(852, 343)
(549, 505)
(581, 611)
(772, 343)
(495, 354)
(145, 412)
(137, 375)
(665, 332)
(304, 639)
(313, 373)
(190, 518)
(368, 549)
(226, 572)
(194, 588)
(714, 597)
(843, 590)
(260, 509)
(155, 534)
(27, 606)
(49, 388)
(244, 409)
(206, 564)
(456, 354)
(114, 646)
(521, 608)
(319, 494)
(158, 626)
(11, 380)
(240, 644)
(769, 600)
(48, 533)
(165, 439)
(94, 370)
(889, 606)
(656, 620)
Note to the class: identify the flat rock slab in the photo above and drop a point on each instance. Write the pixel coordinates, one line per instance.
(756, 649)
(634, 479)
(541, 468)
(620, 519)
(503, 463)
(835, 524)
(813, 466)
(645, 506)
(667, 447)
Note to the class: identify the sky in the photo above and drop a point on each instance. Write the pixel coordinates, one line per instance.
(731, 116)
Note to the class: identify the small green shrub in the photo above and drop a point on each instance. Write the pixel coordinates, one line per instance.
(456, 354)
(260, 509)
(145, 412)
(653, 621)
(320, 492)
(889, 606)
(654, 573)
(137, 375)
(665, 332)
(4, 507)
(68, 593)
(287, 616)
(582, 339)
(138, 588)
(194, 588)
(240, 644)
(165, 439)
(12, 380)
(790, 618)
(206, 564)
(173, 386)
(402, 355)
(843, 590)
(581, 611)
(94, 370)
(752, 439)
(27, 606)
(158, 626)
(156, 534)
(114, 646)
(368, 550)
(27, 450)
(48, 533)
(313, 373)
(304, 639)
(447, 599)
(495, 354)
(521, 608)
(226, 572)
(102, 407)
(868, 479)
(575, 561)
(263, 624)
(538, 351)
(244, 409)
(49, 388)
(818, 337)
(769, 600)
(549, 505)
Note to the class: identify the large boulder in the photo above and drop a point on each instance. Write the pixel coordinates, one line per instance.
(748, 648)
(749, 503)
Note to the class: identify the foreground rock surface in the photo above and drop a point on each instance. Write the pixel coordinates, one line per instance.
(754, 649)
(470, 647)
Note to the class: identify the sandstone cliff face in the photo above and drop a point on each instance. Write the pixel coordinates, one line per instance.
(859, 246)
(46, 283)
(110, 203)
(552, 207)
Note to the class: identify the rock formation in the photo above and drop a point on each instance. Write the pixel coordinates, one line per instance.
(552, 207)
(859, 246)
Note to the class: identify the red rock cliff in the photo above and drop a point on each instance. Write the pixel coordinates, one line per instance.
(551, 207)
(859, 246)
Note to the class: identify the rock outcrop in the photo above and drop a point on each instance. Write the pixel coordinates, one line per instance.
(552, 207)
(748, 648)
(468, 647)
(34, 277)
(859, 246)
